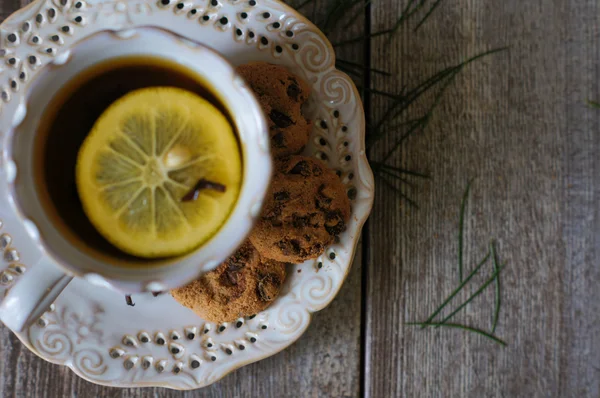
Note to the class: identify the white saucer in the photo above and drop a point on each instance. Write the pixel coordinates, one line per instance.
(158, 342)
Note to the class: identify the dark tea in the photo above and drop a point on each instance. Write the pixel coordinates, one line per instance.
(70, 117)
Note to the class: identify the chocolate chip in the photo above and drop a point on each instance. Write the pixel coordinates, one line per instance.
(233, 277)
(293, 91)
(295, 246)
(278, 140)
(300, 222)
(302, 168)
(129, 301)
(280, 119)
(273, 216)
(334, 223)
(283, 195)
(268, 287)
(284, 247)
(288, 247)
(323, 201)
(317, 170)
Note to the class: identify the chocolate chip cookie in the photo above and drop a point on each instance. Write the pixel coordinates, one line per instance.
(281, 95)
(243, 285)
(305, 209)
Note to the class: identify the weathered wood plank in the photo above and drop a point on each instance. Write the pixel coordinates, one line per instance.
(517, 121)
(324, 360)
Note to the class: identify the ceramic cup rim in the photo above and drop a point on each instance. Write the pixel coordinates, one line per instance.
(245, 113)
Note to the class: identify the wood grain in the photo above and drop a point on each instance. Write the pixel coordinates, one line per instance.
(325, 359)
(517, 122)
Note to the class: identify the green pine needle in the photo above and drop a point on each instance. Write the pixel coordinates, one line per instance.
(461, 230)
(303, 4)
(594, 104)
(459, 288)
(498, 295)
(399, 178)
(428, 14)
(463, 327)
(336, 13)
(399, 170)
(361, 67)
(401, 101)
(357, 14)
(360, 39)
(409, 10)
(401, 194)
(494, 277)
(473, 296)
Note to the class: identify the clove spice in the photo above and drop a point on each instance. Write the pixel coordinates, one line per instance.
(201, 185)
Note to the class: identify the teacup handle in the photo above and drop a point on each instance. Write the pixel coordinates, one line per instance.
(32, 294)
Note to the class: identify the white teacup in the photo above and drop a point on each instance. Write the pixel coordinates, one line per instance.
(64, 258)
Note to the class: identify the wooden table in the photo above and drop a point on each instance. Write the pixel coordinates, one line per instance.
(517, 121)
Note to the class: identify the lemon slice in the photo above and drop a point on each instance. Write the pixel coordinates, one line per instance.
(145, 154)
